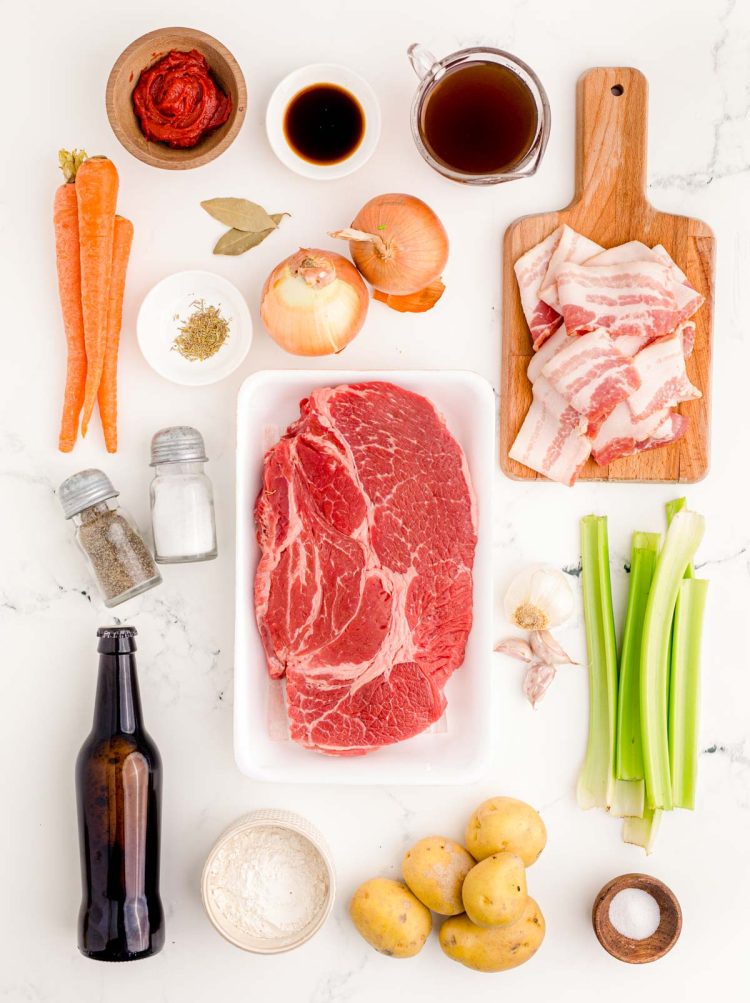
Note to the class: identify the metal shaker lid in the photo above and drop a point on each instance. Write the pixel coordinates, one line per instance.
(84, 489)
(178, 444)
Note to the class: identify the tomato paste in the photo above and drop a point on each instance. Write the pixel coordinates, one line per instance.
(178, 101)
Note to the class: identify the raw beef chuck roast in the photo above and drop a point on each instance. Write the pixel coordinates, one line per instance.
(366, 523)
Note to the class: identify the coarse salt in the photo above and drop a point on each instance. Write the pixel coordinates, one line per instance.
(634, 913)
(268, 882)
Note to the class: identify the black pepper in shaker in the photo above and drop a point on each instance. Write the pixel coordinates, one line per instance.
(116, 552)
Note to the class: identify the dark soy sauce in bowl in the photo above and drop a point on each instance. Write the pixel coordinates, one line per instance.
(479, 118)
(324, 124)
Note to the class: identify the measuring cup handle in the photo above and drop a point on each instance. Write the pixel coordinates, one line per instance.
(421, 59)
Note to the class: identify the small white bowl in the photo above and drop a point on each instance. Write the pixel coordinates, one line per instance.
(172, 301)
(299, 80)
(269, 818)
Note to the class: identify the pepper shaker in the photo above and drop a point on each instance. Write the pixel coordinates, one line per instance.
(182, 504)
(116, 552)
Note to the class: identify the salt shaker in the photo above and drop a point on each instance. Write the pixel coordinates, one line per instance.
(182, 504)
(116, 552)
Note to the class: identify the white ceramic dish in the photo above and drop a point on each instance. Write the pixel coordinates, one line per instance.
(322, 73)
(170, 301)
(457, 749)
(275, 819)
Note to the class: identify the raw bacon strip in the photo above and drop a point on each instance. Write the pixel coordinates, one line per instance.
(531, 269)
(592, 375)
(634, 301)
(664, 256)
(671, 429)
(634, 250)
(620, 434)
(552, 439)
(689, 300)
(547, 352)
(688, 330)
(663, 380)
(571, 248)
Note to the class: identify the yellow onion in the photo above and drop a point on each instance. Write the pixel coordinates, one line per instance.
(398, 244)
(314, 302)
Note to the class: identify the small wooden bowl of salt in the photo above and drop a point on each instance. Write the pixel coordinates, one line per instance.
(637, 918)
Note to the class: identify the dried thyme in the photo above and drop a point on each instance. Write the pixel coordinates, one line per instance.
(202, 334)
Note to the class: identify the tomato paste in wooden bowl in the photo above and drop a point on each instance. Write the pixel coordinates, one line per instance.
(176, 98)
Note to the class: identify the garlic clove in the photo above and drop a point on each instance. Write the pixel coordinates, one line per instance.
(547, 649)
(537, 680)
(515, 647)
(538, 598)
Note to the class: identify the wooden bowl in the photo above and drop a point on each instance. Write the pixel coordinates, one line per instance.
(638, 952)
(124, 77)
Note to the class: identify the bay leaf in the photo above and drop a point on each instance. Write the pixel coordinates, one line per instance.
(236, 241)
(240, 214)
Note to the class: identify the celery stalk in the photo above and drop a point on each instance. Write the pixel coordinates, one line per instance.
(645, 549)
(643, 831)
(594, 781)
(673, 507)
(626, 798)
(683, 537)
(684, 693)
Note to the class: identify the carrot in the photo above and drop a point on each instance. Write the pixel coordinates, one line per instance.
(67, 251)
(123, 239)
(96, 186)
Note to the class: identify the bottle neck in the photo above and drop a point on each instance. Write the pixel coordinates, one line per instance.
(118, 701)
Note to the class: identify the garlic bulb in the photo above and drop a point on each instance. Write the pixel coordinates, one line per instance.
(539, 598)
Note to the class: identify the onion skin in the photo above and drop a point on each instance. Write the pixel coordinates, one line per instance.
(314, 302)
(419, 302)
(413, 247)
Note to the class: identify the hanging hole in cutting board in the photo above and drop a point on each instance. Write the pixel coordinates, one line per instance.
(618, 90)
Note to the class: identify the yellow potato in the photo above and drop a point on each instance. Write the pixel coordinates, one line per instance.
(506, 824)
(493, 949)
(434, 869)
(390, 918)
(494, 891)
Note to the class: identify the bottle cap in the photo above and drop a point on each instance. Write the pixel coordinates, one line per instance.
(116, 640)
(178, 444)
(84, 489)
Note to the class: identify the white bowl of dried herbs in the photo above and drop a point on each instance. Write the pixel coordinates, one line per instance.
(194, 328)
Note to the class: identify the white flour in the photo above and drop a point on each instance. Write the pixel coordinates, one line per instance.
(268, 882)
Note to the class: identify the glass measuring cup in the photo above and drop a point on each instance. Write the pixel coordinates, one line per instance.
(431, 71)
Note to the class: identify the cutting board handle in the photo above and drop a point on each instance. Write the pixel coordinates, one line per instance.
(612, 134)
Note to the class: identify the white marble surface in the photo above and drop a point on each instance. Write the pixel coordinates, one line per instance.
(696, 56)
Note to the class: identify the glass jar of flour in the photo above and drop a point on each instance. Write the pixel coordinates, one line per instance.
(182, 503)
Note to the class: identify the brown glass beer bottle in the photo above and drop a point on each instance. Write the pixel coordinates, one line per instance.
(118, 785)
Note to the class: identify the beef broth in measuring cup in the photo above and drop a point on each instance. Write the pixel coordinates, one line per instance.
(480, 116)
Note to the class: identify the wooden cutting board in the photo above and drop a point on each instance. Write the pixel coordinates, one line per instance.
(610, 207)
